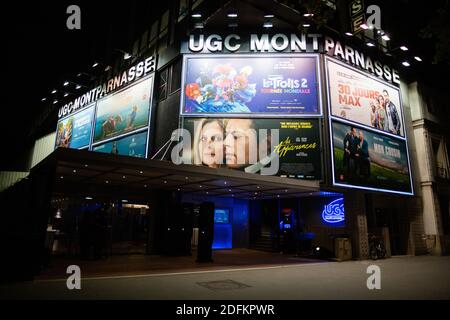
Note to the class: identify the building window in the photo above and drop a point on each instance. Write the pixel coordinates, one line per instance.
(196, 3)
(163, 83)
(183, 10)
(153, 33)
(163, 29)
(441, 157)
(175, 81)
(135, 52)
(144, 42)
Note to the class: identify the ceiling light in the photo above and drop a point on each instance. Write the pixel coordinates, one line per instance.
(95, 64)
(308, 15)
(370, 44)
(385, 37)
(66, 83)
(43, 99)
(55, 102)
(267, 25)
(349, 34)
(418, 58)
(126, 56)
(404, 48)
(364, 26)
(196, 15)
(406, 63)
(198, 26)
(306, 25)
(232, 15)
(65, 94)
(78, 87)
(54, 91)
(267, 16)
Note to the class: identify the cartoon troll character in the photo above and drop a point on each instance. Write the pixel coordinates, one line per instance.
(243, 91)
(223, 82)
(193, 91)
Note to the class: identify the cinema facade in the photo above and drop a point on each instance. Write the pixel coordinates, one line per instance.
(333, 124)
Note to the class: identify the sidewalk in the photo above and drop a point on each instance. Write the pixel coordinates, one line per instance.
(126, 265)
(421, 277)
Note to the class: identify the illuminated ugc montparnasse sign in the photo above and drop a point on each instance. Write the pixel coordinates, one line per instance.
(280, 42)
(137, 71)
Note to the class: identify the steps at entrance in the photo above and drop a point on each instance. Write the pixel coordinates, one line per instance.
(264, 243)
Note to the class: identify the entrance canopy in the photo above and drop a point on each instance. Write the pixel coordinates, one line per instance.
(84, 173)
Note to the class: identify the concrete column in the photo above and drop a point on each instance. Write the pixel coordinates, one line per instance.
(354, 202)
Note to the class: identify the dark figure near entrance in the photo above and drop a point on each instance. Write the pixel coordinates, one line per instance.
(205, 232)
(364, 158)
(351, 154)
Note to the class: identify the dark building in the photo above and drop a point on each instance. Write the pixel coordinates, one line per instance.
(323, 122)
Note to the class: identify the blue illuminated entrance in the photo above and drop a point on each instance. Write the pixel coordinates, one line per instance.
(223, 230)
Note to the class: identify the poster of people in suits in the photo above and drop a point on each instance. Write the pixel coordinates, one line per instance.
(363, 99)
(365, 158)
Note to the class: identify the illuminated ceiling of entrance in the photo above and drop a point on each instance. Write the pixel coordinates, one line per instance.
(86, 173)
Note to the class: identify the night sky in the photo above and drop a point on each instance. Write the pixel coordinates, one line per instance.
(42, 53)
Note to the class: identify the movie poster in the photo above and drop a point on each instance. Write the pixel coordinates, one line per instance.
(359, 98)
(133, 146)
(283, 147)
(367, 159)
(75, 131)
(123, 112)
(240, 84)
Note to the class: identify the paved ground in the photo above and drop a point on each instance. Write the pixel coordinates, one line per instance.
(401, 278)
(123, 265)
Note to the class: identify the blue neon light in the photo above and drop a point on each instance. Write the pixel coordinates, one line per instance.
(223, 236)
(334, 212)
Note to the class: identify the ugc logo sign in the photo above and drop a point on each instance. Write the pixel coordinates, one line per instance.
(334, 212)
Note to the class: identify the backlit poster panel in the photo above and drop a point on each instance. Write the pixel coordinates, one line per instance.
(360, 98)
(134, 146)
(75, 131)
(369, 160)
(251, 144)
(123, 112)
(255, 85)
